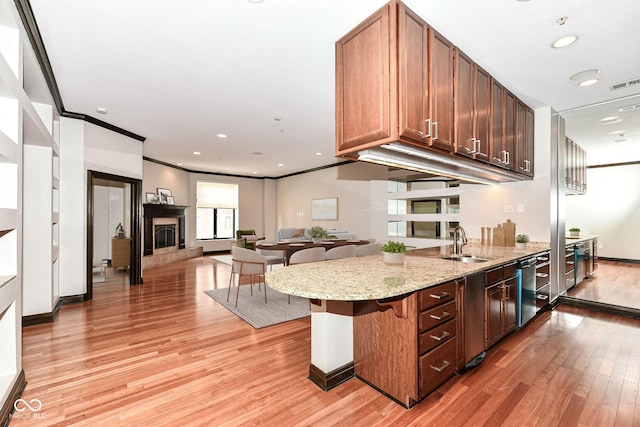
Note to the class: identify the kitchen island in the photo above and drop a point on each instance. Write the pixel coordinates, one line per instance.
(355, 300)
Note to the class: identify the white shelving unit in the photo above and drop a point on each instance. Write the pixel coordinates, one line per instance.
(11, 95)
(29, 200)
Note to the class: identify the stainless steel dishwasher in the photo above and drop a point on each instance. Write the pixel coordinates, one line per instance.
(474, 320)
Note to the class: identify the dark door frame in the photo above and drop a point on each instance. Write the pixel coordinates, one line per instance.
(135, 264)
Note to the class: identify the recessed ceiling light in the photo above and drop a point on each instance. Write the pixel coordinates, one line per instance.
(255, 1)
(179, 164)
(280, 164)
(610, 120)
(585, 75)
(257, 153)
(221, 135)
(254, 172)
(562, 20)
(616, 132)
(621, 140)
(318, 154)
(588, 82)
(102, 110)
(196, 153)
(564, 41)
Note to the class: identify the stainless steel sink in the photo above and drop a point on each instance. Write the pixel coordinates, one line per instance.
(465, 258)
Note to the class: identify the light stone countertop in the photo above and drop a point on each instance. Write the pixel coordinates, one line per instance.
(369, 278)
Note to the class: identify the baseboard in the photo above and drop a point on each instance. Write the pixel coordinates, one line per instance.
(74, 299)
(38, 319)
(327, 381)
(602, 307)
(14, 394)
(631, 261)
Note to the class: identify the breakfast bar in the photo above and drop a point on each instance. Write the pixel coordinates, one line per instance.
(351, 290)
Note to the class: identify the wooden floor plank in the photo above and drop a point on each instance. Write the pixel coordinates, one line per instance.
(164, 353)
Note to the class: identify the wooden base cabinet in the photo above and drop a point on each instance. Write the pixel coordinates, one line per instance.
(407, 347)
(501, 303)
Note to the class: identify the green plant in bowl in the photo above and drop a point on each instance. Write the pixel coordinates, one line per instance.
(394, 247)
(522, 238)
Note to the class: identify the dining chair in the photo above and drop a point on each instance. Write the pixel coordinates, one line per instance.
(304, 256)
(368, 249)
(248, 264)
(273, 257)
(307, 255)
(346, 251)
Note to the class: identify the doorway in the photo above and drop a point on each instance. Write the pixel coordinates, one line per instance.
(113, 203)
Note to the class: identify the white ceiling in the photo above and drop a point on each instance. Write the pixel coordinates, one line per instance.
(179, 73)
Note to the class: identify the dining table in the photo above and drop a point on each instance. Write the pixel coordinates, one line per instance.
(289, 247)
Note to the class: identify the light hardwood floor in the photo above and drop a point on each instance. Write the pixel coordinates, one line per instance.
(164, 353)
(616, 283)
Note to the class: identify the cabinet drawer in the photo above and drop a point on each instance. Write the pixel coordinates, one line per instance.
(436, 336)
(494, 276)
(542, 276)
(437, 295)
(437, 316)
(437, 366)
(542, 296)
(509, 270)
(542, 258)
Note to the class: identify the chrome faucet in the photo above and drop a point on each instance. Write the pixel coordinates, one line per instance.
(459, 240)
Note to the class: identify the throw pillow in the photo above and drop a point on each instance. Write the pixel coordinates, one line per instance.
(250, 237)
(298, 232)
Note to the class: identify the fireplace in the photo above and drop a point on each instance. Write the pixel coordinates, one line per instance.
(164, 236)
(163, 228)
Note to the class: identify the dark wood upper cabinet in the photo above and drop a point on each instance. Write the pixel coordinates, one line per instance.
(472, 108)
(441, 91)
(520, 137)
(363, 93)
(509, 142)
(399, 80)
(529, 126)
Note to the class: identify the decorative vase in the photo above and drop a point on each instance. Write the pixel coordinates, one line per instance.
(394, 258)
(574, 233)
(316, 239)
(520, 245)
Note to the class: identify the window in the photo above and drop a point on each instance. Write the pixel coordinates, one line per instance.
(217, 210)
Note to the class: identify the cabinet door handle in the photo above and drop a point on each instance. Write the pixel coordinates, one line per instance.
(542, 258)
(542, 275)
(506, 158)
(570, 262)
(427, 135)
(478, 153)
(435, 124)
(527, 166)
(444, 335)
(444, 315)
(441, 368)
(441, 296)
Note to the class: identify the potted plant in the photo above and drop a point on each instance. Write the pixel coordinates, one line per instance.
(318, 233)
(574, 232)
(393, 252)
(521, 241)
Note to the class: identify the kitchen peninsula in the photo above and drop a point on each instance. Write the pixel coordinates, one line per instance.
(368, 317)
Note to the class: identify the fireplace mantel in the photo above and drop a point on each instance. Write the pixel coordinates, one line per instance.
(151, 211)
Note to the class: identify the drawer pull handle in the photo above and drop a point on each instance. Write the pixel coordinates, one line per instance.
(444, 315)
(542, 297)
(444, 366)
(542, 275)
(444, 335)
(542, 258)
(441, 296)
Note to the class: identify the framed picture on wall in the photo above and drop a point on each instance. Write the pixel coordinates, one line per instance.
(324, 209)
(163, 193)
(152, 198)
(170, 200)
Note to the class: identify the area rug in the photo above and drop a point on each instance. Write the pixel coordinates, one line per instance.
(255, 312)
(225, 259)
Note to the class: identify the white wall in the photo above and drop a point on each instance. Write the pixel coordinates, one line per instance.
(350, 183)
(84, 146)
(610, 209)
(484, 206)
